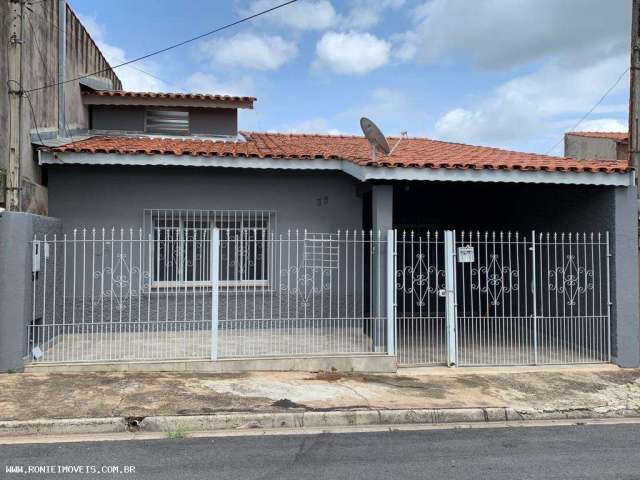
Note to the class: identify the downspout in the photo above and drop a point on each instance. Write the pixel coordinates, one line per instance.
(62, 57)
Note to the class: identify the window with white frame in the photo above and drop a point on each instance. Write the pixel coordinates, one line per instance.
(182, 246)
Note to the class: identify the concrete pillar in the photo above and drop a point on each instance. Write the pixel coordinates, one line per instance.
(382, 207)
(624, 289)
(16, 232)
(382, 221)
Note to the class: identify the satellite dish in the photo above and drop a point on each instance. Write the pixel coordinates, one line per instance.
(375, 137)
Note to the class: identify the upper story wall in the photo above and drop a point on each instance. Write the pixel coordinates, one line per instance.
(202, 121)
(40, 67)
(582, 148)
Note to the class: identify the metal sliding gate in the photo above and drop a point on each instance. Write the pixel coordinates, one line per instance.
(502, 298)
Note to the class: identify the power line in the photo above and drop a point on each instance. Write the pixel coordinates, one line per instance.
(171, 47)
(54, 25)
(584, 117)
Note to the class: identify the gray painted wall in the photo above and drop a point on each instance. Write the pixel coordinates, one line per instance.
(107, 117)
(625, 311)
(84, 196)
(16, 287)
(202, 121)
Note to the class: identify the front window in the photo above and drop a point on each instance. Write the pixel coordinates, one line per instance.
(182, 247)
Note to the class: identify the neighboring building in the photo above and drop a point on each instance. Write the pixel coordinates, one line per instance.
(45, 42)
(219, 243)
(596, 145)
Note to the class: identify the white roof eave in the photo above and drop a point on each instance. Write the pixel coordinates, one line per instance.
(362, 173)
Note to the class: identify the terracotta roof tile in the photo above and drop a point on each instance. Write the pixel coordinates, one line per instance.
(409, 152)
(617, 136)
(176, 96)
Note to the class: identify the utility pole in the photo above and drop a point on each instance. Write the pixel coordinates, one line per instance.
(634, 92)
(16, 28)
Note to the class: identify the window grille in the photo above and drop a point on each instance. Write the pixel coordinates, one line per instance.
(181, 246)
(321, 251)
(167, 122)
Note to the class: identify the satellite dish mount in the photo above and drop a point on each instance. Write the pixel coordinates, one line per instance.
(376, 139)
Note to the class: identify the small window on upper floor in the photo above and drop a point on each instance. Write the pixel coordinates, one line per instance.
(167, 122)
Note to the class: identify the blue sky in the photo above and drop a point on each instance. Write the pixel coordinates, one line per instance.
(507, 73)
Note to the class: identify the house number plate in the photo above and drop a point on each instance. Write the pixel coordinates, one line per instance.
(465, 254)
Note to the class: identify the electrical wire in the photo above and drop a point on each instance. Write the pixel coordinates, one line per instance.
(584, 117)
(170, 47)
(55, 25)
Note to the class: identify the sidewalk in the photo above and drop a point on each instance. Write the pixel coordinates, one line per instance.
(602, 390)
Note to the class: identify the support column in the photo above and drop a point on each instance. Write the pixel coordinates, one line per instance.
(624, 278)
(382, 222)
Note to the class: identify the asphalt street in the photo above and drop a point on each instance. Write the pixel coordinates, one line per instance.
(580, 452)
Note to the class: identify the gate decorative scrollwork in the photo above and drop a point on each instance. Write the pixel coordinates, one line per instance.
(419, 280)
(303, 283)
(565, 280)
(494, 275)
(122, 283)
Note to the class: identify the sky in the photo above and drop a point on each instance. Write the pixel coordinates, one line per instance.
(513, 74)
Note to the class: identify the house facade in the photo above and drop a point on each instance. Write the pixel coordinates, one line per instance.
(180, 237)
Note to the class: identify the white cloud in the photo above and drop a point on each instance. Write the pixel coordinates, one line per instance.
(529, 105)
(508, 33)
(603, 125)
(302, 15)
(365, 14)
(351, 53)
(248, 50)
(133, 76)
(200, 82)
(392, 110)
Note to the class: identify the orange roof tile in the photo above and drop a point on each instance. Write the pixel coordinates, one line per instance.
(409, 152)
(617, 136)
(175, 96)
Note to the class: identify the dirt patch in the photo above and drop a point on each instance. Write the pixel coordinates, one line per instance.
(327, 376)
(286, 404)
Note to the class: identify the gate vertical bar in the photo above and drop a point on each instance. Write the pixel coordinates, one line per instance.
(534, 279)
(391, 289)
(608, 255)
(215, 274)
(450, 296)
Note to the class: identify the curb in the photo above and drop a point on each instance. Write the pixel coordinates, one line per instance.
(309, 419)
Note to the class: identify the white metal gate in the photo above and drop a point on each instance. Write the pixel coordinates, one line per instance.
(186, 290)
(501, 298)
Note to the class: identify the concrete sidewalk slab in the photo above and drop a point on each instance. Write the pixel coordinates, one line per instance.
(25, 397)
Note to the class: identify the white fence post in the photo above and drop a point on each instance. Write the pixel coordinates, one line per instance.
(534, 295)
(450, 296)
(391, 290)
(215, 274)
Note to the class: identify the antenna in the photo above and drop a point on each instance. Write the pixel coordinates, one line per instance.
(402, 135)
(376, 139)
